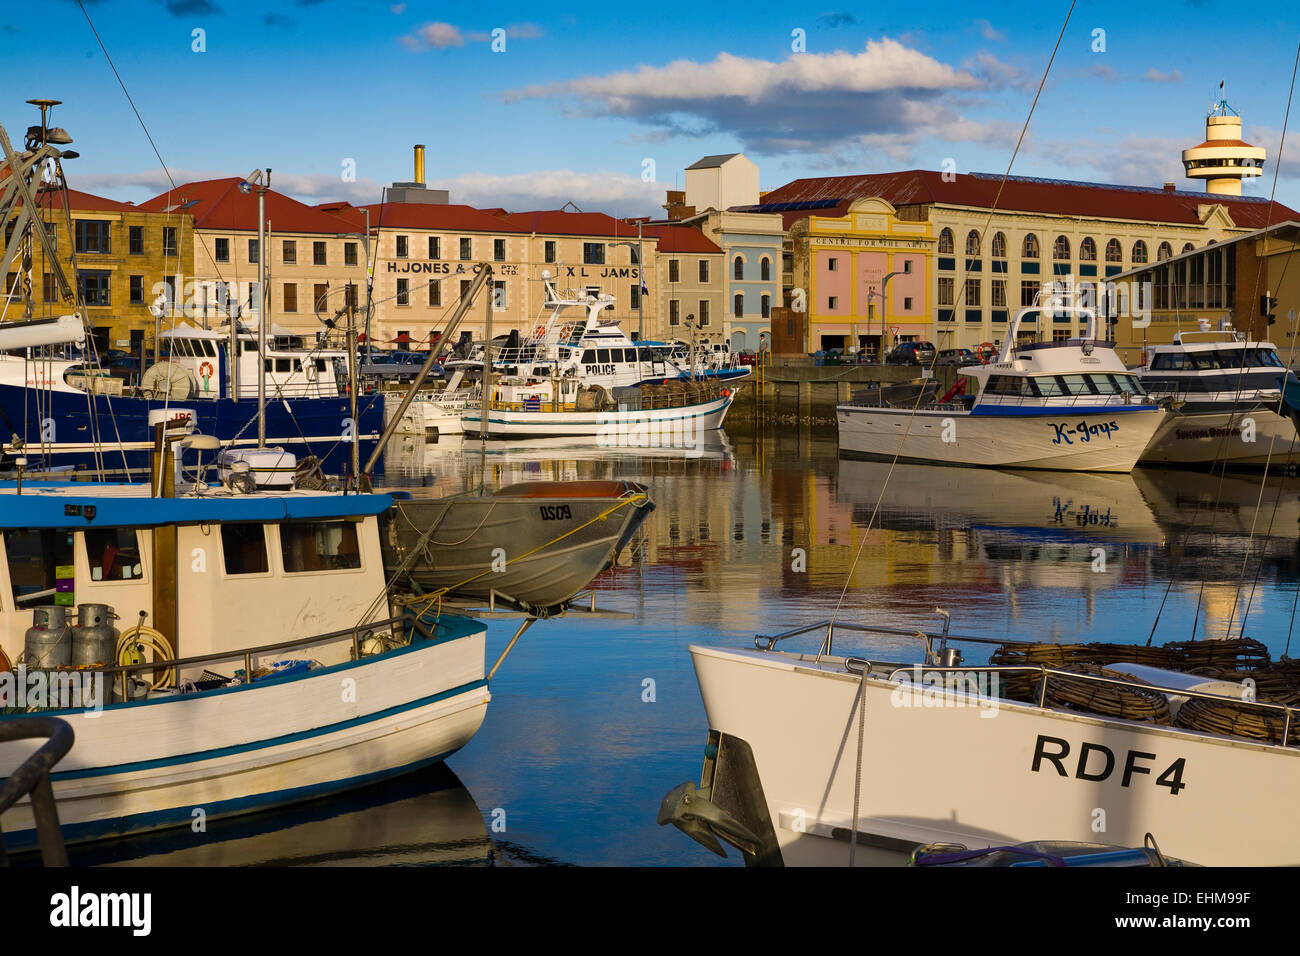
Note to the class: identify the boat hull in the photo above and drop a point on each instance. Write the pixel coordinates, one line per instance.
(1253, 437)
(535, 552)
(90, 432)
(157, 763)
(659, 427)
(942, 768)
(1105, 440)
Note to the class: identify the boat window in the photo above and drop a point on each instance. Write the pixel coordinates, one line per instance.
(297, 365)
(282, 365)
(35, 555)
(589, 357)
(113, 554)
(319, 546)
(1011, 385)
(1170, 362)
(602, 356)
(645, 353)
(1104, 384)
(244, 548)
(1266, 358)
(1049, 386)
(1076, 385)
(209, 349)
(320, 365)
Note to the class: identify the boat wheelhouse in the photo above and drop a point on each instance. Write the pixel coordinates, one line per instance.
(1068, 405)
(1224, 393)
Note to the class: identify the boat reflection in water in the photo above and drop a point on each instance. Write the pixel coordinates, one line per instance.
(426, 818)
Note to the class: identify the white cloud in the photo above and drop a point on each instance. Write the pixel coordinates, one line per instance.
(435, 35)
(989, 32)
(1155, 76)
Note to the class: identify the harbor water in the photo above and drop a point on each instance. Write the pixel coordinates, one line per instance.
(594, 719)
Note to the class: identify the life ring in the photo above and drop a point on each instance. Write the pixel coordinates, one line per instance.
(985, 348)
(205, 370)
(539, 331)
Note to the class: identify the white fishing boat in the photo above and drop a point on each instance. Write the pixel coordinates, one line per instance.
(826, 759)
(1224, 393)
(1069, 406)
(265, 661)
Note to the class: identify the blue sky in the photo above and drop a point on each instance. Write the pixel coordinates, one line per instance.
(578, 101)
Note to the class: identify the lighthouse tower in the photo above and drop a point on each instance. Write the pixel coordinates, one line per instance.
(1224, 159)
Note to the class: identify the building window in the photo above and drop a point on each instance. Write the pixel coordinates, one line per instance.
(1166, 251)
(945, 290)
(1029, 248)
(464, 288)
(704, 270)
(972, 292)
(549, 250)
(254, 300)
(1087, 250)
(466, 249)
(253, 251)
(1139, 252)
(674, 271)
(137, 290)
(833, 302)
(999, 293)
(93, 236)
(765, 269)
(907, 304)
(738, 306)
(739, 267)
(170, 248)
(1188, 247)
(435, 293)
(498, 250)
(766, 303)
(832, 264)
(1114, 251)
(403, 291)
(349, 253)
(318, 254)
(1028, 289)
(221, 250)
(289, 252)
(972, 243)
(290, 297)
(674, 312)
(945, 242)
(593, 253)
(350, 295)
(95, 287)
(704, 313)
(999, 246)
(135, 240)
(435, 247)
(498, 295)
(1061, 248)
(634, 296)
(403, 247)
(319, 293)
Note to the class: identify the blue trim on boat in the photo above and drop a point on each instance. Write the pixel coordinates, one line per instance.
(184, 816)
(87, 510)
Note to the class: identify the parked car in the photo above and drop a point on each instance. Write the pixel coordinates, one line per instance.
(746, 358)
(911, 353)
(957, 357)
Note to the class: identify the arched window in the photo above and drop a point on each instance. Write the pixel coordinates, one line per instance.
(1029, 248)
(999, 246)
(1087, 250)
(1061, 248)
(767, 305)
(1114, 251)
(1188, 247)
(765, 269)
(945, 242)
(1166, 251)
(740, 267)
(972, 243)
(1139, 252)
(738, 310)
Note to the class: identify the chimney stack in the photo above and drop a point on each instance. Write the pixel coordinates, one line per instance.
(419, 164)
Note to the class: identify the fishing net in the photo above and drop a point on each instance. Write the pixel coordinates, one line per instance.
(1107, 700)
(1237, 720)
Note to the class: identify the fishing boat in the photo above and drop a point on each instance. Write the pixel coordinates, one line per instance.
(532, 546)
(1224, 392)
(829, 759)
(263, 660)
(1068, 406)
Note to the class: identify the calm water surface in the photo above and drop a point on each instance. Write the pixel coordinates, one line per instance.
(758, 534)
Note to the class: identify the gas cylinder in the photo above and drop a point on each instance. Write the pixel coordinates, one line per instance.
(48, 642)
(94, 639)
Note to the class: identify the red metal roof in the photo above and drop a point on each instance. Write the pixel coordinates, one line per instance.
(681, 239)
(79, 201)
(219, 204)
(420, 215)
(1021, 194)
(558, 222)
(1224, 142)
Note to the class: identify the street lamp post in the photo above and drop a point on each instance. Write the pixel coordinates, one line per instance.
(884, 291)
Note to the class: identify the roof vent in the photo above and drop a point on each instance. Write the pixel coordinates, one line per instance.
(1169, 187)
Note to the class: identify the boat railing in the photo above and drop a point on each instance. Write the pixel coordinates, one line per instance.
(1116, 399)
(32, 779)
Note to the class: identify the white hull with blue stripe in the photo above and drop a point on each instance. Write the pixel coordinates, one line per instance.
(620, 429)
